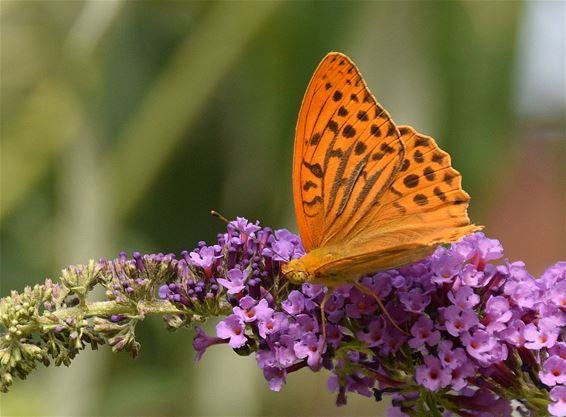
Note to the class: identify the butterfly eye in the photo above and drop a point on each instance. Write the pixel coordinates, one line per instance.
(297, 277)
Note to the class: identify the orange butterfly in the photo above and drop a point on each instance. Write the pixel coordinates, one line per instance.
(369, 195)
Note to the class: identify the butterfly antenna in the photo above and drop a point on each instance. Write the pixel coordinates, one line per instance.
(219, 216)
(367, 291)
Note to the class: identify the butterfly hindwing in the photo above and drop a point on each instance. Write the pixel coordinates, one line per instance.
(347, 153)
(423, 207)
(426, 183)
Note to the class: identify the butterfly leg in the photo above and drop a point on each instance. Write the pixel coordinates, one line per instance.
(367, 291)
(322, 316)
(277, 293)
(280, 289)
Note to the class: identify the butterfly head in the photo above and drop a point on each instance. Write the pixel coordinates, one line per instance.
(295, 272)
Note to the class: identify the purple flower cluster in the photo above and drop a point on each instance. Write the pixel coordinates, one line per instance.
(195, 282)
(132, 279)
(462, 332)
(241, 260)
(549, 333)
(475, 333)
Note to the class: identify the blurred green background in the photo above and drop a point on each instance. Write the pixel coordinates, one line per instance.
(124, 122)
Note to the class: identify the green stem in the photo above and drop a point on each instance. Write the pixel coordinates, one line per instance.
(432, 404)
(105, 309)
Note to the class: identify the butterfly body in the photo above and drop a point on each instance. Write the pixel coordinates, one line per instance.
(369, 195)
(332, 266)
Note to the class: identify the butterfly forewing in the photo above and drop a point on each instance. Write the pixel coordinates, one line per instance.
(347, 153)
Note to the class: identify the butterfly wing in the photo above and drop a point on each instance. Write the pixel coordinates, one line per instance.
(424, 206)
(368, 196)
(347, 153)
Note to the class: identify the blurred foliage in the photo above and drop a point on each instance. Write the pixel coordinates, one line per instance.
(124, 123)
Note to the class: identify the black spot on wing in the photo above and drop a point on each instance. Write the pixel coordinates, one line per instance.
(421, 142)
(403, 130)
(308, 185)
(429, 173)
(315, 169)
(418, 157)
(438, 158)
(349, 131)
(360, 148)
(337, 96)
(333, 126)
(399, 207)
(315, 139)
(411, 181)
(378, 111)
(375, 130)
(395, 191)
(459, 201)
(391, 131)
(316, 200)
(337, 153)
(448, 178)
(363, 116)
(342, 111)
(420, 199)
(440, 194)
